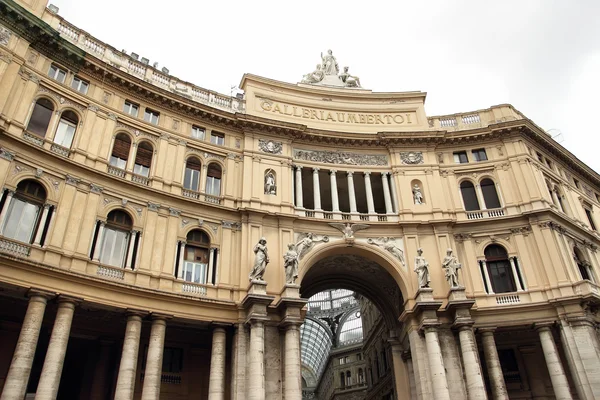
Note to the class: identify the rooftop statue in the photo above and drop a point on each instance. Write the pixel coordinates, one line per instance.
(327, 73)
(315, 76)
(329, 64)
(349, 80)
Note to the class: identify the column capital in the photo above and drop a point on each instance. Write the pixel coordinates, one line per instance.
(487, 331)
(333, 171)
(385, 173)
(40, 293)
(65, 299)
(349, 173)
(298, 167)
(130, 312)
(367, 174)
(543, 326)
(316, 170)
(160, 317)
(219, 326)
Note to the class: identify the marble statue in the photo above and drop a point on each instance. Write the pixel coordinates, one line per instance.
(349, 80)
(390, 245)
(329, 64)
(270, 187)
(417, 195)
(422, 269)
(315, 76)
(348, 229)
(451, 266)
(307, 242)
(261, 259)
(290, 263)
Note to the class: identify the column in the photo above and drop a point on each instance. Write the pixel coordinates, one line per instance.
(334, 193)
(486, 276)
(55, 356)
(493, 365)
(389, 209)
(407, 357)
(299, 200)
(480, 197)
(256, 374)
(17, 378)
(181, 259)
(316, 189)
(211, 260)
(369, 190)
(42, 225)
(515, 274)
(470, 357)
(216, 380)
(152, 375)
(436, 365)
(99, 241)
(130, 249)
(292, 373)
(238, 363)
(9, 197)
(553, 362)
(394, 193)
(129, 357)
(351, 192)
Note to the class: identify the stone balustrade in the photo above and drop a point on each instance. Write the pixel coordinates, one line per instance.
(14, 248)
(477, 119)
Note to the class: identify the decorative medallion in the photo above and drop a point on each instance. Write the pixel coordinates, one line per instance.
(412, 157)
(270, 146)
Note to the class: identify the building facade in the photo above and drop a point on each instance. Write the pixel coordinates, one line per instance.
(136, 205)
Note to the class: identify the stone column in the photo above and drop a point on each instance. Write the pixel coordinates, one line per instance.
(238, 361)
(129, 357)
(486, 276)
(389, 209)
(130, 249)
(181, 259)
(55, 356)
(555, 368)
(9, 197)
(17, 378)
(406, 356)
(299, 200)
(216, 380)
(334, 193)
(470, 357)
(513, 267)
(316, 189)
(351, 192)
(256, 355)
(42, 225)
(99, 238)
(493, 365)
(480, 197)
(152, 375)
(436, 364)
(293, 376)
(211, 261)
(394, 193)
(369, 190)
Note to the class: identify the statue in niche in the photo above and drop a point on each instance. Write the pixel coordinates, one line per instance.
(451, 266)
(261, 259)
(270, 187)
(422, 269)
(390, 245)
(290, 263)
(329, 64)
(307, 242)
(349, 80)
(417, 195)
(314, 77)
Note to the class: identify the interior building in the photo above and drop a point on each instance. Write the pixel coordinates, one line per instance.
(150, 232)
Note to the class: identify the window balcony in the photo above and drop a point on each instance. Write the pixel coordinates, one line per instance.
(118, 172)
(346, 216)
(484, 214)
(141, 179)
(14, 248)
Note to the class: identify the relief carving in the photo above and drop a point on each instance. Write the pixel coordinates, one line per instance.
(345, 158)
(412, 157)
(306, 242)
(270, 146)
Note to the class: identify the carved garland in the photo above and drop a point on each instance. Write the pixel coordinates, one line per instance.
(343, 158)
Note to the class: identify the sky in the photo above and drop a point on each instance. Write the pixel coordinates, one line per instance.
(541, 56)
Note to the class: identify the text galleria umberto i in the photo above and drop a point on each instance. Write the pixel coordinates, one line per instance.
(310, 240)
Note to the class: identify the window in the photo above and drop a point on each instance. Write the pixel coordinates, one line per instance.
(479, 155)
(460, 157)
(342, 380)
(539, 156)
(576, 183)
(510, 366)
(131, 108)
(143, 159)
(198, 133)
(361, 376)
(23, 211)
(120, 152)
(342, 361)
(217, 138)
(40, 117)
(583, 264)
(490, 196)
(588, 213)
(549, 163)
(115, 238)
(151, 116)
(172, 360)
(213, 180)
(196, 257)
(80, 85)
(469, 196)
(191, 179)
(348, 379)
(66, 129)
(57, 73)
(499, 269)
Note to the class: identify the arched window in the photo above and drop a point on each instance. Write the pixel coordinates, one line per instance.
(496, 259)
(196, 257)
(120, 152)
(585, 268)
(348, 379)
(213, 179)
(342, 379)
(40, 117)
(23, 212)
(469, 196)
(361, 376)
(115, 238)
(143, 159)
(191, 179)
(490, 196)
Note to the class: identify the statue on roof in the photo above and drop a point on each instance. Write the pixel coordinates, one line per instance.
(315, 76)
(328, 73)
(329, 64)
(349, 80)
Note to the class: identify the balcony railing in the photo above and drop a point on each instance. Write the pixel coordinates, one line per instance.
(33, 139)
(118, 172)
(481, 214)
(14, 248)
(193, 288)
(508, 299)
(111, 273)
(165, 377)
(141, 179)
(192, 194)
(481, 118)
(58, 149)
(209, 198)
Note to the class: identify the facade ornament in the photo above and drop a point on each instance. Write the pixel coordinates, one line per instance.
(56, 185)
(5, 35)
(174, 212)
(200, 222)
(327, 73)
(32, 57)
(329, 64)
(261, 259)
(417, 195)
(93, 108)
(6, 57)
(451, 266)
(96, 188)
(153, 206)
(590, 245)
(422, 269)
(349, 80)
(348, 229)
(270, 146)
(112, 116)
(270, 184)
(175, 124)
(184, 222)
(290, 264)
(231, 225)
(215, 228)
(342, 158)
(390, 245)
(6, 154)
(139, 211)
(124, 202)
(523, 230)
(71, 180)
(314, 77)
(307, 241)
(440, 158)
(106, 98)
(461, 237)
(412, 157)
(39, 172)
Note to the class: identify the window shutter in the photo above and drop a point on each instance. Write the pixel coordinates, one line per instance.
(121, 148)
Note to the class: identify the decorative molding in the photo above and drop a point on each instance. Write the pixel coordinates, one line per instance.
(135, 132)
(93, 108)
(270, 146)
(96, 188)
(6, 57)
(153, 206)
(305, 242)
(112, 116)
(61, 99)
(124, 202)
(206, 155)
(39, 172)
(412, 157)
(234, 156)
(72, 180)
(523, 230)
(7, 154)
(461, 237)
(389, 244)
(5, 35)
(343, 158)
(231, 225)
(174, 212)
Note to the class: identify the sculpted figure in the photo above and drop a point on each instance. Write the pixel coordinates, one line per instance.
(451, 267)
(390, 245)
(307, 242)
(290, 263)
(422, 269)
(261, 259)
(329, 64)
(348, 229)
(270, 184)
(315, 76)
(349, 80)
(417, 195)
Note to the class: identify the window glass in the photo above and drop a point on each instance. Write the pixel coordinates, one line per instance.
(143, 159)
(213, 180)
(479, 155)
(588, 213)
(114, 246)
(64, 133)
(57, 73)
(499, 269)
(490, 196)
(130, 108)
(151, 116)
(191, 178)
(21, 220)
(217, 138)
(460, 157)
(198, 133)
(120, 152)
(469, 196)
(40, 117)
(80, 85)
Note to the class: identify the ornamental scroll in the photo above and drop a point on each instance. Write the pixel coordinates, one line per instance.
(345, 158)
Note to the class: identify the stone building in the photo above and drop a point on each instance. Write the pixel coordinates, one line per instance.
(135, 206)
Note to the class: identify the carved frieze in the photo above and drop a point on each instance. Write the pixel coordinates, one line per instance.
(270, 146)
(390, 244)
(412, 157)
(71, 180)
(305, 242)
(231, 225)
(7, 155)
(5, 35)
(206, 155)
(461, 237)
(153, 206)
(343, 158)
(523, 230)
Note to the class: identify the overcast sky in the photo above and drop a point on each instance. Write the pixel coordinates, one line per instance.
(541, 56)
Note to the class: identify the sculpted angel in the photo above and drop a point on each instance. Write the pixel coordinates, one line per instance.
(306, 243)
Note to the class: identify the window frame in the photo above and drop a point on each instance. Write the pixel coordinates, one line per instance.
(128, 106)
(79, 85)
(150, 115)
(195, 129)
(219, 138)
(477, 153)
(54, 75)
(458, 159)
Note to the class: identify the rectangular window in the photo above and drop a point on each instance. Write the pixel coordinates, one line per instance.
(460, 157)
(549, 163)
(172, 360)
(57, 73)
(114, 246)
(479, 155)
(191, 180)
(151, 116)
(213, 186)
(64, 133)
(501, 276)
(539, 156)
(80, 85)
(141, 170)
(217, 138)
(131, 108)
(117, 162)
(576, 182)
(194, 272)
(588, 213)
(21, 220)
(198, 133)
